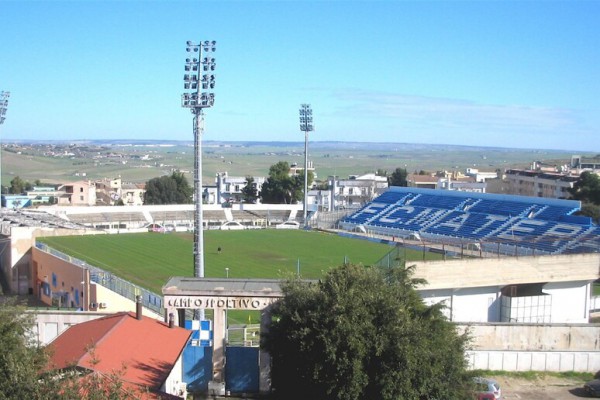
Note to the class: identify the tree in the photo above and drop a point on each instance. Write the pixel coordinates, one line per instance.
(21, 359)
(172, 189)
(590, 210)
(184, 191)
(280, 187)
(398, 178)
(341, 339)
(25, 372)
(249, 192)
(587, 188)
(381, 172)
(17, 185)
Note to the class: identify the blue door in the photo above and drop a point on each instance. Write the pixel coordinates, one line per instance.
(242, 370)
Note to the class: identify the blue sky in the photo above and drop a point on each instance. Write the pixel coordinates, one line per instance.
(488, 73)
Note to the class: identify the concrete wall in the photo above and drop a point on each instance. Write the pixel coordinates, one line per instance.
(570, 302)
(114, 302)
(51, 323)
(534, 361)
(62, 277)
(534, 347)
(17, 271)
(69, 278)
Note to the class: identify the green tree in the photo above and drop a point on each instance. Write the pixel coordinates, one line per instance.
(381, 172)
(184, 190)
(17, 185)
(398, 178)
(280, 187)
(587, 188)
(25, 372)
(590, 210)
(340, 339)
(172, 189)
(21, 359)
(249, 192)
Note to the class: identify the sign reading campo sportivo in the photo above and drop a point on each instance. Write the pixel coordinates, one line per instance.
(230, 303)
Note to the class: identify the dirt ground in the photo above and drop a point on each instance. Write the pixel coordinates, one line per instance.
(551, 388)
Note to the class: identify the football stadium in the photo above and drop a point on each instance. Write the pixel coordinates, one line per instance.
(521, 266)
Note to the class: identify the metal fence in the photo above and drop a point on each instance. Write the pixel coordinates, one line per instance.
(129, 290)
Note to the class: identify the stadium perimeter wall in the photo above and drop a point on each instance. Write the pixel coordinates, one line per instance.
(534, 347)
(16, 254)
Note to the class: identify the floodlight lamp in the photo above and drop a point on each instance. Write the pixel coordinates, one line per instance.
(189, 42)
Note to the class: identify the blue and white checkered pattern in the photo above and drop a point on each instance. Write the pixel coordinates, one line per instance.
(202, 332)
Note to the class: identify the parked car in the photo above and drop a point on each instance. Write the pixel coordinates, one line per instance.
(593, 388)
(487, 389)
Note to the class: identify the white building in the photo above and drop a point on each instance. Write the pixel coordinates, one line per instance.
(353, 192)
(547, 289)
(229, 188)
(480, 176)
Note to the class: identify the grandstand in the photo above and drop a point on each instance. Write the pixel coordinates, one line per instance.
(508, 224)
(175, 217)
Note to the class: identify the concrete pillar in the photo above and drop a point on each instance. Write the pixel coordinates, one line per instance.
(264, 359)
(218, 359)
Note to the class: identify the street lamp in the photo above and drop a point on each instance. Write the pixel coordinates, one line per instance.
(306, 125)
(3, 107)
(199, 83)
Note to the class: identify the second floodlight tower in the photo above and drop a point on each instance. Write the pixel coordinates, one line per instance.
(199, 82)
(306, 125)
(3, 107)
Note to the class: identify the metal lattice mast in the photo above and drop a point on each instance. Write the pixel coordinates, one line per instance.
(3, 107)
(306, 125)
(199, 81)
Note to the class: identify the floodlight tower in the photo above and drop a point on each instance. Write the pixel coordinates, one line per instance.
(199, 83)
(306, 125)
(3, 107)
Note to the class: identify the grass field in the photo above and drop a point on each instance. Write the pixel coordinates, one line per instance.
(150, 259)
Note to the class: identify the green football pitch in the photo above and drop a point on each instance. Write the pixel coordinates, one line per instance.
(150, 259)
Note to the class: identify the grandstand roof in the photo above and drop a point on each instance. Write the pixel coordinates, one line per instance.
(34, 218)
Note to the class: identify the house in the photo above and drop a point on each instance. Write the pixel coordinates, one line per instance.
(449, 181)
(110, 192)
(540, 183)
(355, 191)
(144, 352)
(229, 188)
(81, 193)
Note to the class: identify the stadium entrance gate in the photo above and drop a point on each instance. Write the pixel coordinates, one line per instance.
(235, 369)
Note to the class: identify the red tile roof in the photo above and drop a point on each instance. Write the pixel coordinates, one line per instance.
(147, 348)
